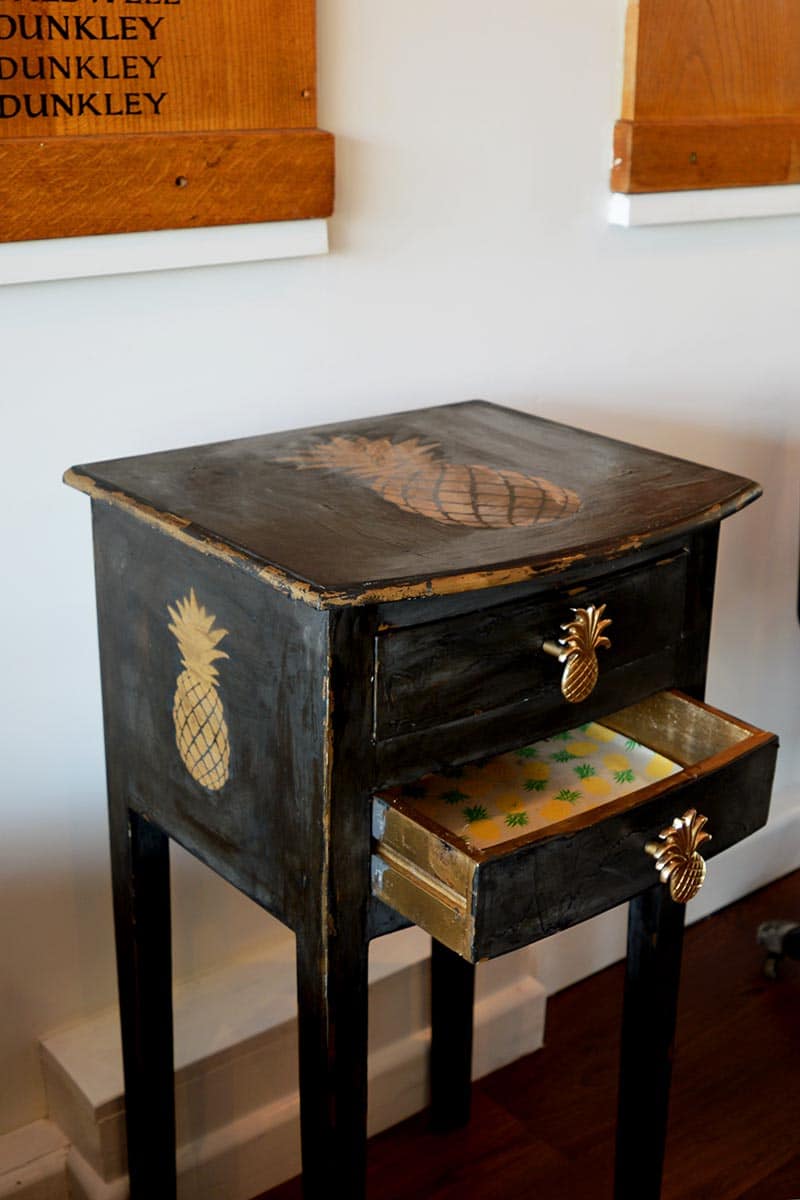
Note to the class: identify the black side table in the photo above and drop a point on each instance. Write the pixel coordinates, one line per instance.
(297, 629)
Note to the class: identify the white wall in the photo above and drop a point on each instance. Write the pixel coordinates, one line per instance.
(470, 257)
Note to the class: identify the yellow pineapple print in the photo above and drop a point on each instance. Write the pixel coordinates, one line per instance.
(659, 767)
(596, 785)
(537, 770)
(617, 762)
(201, 733)
(582, 749)
(556, 810)
(599, 733)
(479, 826)
(416, 479)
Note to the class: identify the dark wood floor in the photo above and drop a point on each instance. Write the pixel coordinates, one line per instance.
(544, 1126)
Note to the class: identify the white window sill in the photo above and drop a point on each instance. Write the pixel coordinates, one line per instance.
(160, 250)
(712, 204)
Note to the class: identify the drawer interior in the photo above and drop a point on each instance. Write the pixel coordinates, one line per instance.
(442, 839)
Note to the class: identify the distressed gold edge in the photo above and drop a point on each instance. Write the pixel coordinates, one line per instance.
(457, 901)
(414, 898)
(178, 527)
(442, 585)
(405, 835)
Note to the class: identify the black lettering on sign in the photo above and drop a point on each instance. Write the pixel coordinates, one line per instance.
(41, 28)
(79, 104)
(79, 66)
(84, 27)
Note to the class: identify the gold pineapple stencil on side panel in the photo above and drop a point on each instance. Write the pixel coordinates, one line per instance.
(416, 479)
(201, 732)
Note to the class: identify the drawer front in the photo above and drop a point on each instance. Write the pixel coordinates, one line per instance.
(455, 669)
(484, 902)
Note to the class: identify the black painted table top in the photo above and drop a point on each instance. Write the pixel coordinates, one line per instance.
(441, 499)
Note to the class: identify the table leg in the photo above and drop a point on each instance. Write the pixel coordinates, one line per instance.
(452, 1004)
(140, 876)
(655, 941)
(332, 1027)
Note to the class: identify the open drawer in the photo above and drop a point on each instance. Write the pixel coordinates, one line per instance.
(496, 854)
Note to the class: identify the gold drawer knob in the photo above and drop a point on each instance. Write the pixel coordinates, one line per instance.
(579, 651)
(678, 860)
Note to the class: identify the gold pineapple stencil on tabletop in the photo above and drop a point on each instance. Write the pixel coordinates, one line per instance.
(201, 732)
(417, 479)
(677, 857)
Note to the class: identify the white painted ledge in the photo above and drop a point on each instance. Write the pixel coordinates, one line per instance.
(33, 1163)
(711, 204)
(237, 1109)
(160, 250)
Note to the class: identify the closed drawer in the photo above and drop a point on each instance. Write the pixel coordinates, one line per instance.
(449, 670)
(497, 854)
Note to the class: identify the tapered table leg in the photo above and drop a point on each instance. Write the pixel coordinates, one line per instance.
(655, 941)
(140, 875)
(452, 1004)
(332, 1026)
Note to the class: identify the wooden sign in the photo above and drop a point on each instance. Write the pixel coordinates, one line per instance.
(121, 115)
(711, 96)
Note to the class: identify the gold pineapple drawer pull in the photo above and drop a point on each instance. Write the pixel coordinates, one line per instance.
(678, 860)
(578, 650)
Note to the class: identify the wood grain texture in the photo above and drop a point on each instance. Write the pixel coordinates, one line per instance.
(332, 937)
(119, 184)
(190, 65)
(330, 530)
(445, 670)
(711, 96)
(719, 60)
(670, 156)
(275, 705)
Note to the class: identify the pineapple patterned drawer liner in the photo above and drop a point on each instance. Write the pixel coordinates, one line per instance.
(494, 854)
(497, 799)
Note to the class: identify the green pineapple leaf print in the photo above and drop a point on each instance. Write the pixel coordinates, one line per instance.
(562, 737)
(414, 791)
(625, 776)
(527, 752)
(535, 785)
(569, 796)
(516, 819)
(454, 796)
(585, 771)
(561, 755)
(631, 744)
(475, 812)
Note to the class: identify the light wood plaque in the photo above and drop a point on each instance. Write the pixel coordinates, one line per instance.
(711, 96)
(121, 115)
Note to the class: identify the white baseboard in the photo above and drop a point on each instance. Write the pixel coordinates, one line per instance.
(261, 1149)
(159, 250)
(703, 204)
(236, 1067)
(33, 1163)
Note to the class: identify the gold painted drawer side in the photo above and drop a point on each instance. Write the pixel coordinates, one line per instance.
(405, 835)
(415, 898)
